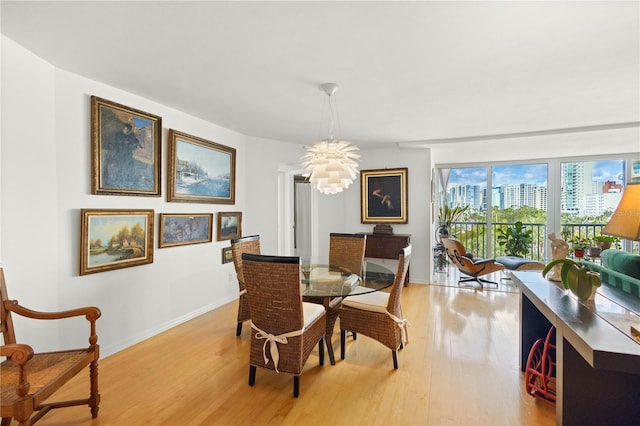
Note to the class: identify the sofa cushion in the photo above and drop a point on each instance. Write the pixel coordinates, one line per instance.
(623, 262)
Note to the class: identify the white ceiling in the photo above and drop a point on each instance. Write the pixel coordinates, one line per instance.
(408, 71)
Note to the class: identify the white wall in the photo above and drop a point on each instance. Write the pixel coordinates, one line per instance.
(29, 246)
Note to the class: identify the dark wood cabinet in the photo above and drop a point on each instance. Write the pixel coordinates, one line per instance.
(386, 246)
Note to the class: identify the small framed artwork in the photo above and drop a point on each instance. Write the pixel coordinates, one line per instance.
(114, 239)
(185, 228)
(383, 196)
(125, 150)
(229, 225)
(200, 171)
(227, 255)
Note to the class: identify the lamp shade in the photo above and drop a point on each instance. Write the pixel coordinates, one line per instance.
(625, 222)
(331, 165)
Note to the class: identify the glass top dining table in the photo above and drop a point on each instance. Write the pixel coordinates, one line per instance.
(328, 284)
(323, 280)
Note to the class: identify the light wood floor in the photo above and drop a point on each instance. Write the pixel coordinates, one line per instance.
(459, 368)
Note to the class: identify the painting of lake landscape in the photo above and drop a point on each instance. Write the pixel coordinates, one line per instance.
(113, 239)
(200, 171)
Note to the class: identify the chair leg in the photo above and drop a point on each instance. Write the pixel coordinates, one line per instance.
(94, 398)
(321, 350)
(239, 328)
(343, 343)
(395, 359)
(252, 375)
(355, 336)
(296, 386)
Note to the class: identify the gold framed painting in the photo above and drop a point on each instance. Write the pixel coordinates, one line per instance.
(113, 239)
(125, 150)
(227, 255)
(383, 196)
(229, 225)
(185, 228)
(200, 171)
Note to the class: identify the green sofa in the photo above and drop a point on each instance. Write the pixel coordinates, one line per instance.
(619, 269)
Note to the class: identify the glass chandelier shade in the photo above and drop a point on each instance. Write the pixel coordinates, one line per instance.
(330, 164)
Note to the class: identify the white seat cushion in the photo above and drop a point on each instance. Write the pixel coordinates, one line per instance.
(375, 302)
(311, 311)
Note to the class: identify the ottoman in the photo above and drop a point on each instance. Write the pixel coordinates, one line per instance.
(515, 263)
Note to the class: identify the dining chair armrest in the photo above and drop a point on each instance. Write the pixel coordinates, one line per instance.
(19, 354)
(91, 313)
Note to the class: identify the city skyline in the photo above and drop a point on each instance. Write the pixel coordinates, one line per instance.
(535, 174)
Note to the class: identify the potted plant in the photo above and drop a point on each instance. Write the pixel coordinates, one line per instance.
(579, 245)
(605, 241)
(446, 216)
(516, 239)
(576, 277)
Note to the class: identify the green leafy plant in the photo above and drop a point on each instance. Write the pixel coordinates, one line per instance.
(605, 241)
(447, 215)
(579, 243)
(576, 277)
(516, 239)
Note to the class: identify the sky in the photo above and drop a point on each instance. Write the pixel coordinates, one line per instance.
(530, 173)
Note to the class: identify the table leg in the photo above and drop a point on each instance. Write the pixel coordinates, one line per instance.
(332, 307)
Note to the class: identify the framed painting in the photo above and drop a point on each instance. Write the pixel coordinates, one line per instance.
(227, 255)
(383, 196)
(200, 171)
(114, 239)
(125, 150)
(185, 228)
(229, 225)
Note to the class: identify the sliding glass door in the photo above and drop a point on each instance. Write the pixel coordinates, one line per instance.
(497, 196)
(577, 202)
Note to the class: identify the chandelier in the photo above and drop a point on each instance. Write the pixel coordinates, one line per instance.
(330, 164)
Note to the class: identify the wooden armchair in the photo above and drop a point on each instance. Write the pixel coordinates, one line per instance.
(238, 246)
(28, 379)
(285, 329)
(474, 269)
(378, 315)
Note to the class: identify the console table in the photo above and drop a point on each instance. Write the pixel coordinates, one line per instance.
(386, 246)
(597, 359)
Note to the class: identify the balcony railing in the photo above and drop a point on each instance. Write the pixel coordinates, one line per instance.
(473, 236)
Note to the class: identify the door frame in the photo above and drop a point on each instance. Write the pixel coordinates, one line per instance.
(286, 206)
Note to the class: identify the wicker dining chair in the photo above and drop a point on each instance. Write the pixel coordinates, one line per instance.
(28, 380)
(379, 314)
(285, 329)
(238, 246)
(347, 252)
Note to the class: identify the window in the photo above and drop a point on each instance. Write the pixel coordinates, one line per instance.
(579, 202)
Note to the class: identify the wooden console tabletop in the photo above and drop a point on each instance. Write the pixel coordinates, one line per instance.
(598, 365)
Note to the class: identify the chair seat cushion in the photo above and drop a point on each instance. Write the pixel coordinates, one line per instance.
(311, 311)
(374, 302)
(514, 263)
